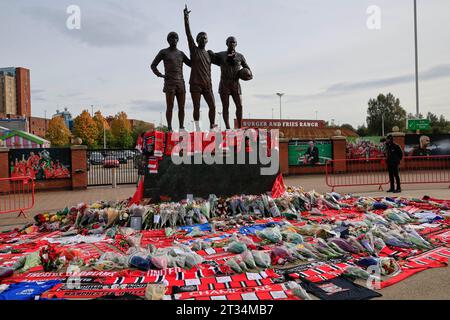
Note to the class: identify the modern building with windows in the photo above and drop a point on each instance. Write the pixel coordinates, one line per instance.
(67, 117)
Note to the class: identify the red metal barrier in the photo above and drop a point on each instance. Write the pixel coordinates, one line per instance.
(373, 171)
(356, 172)
(16, 195)
(427, 169)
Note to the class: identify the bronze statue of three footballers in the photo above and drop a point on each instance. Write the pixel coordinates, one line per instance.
(233, 68)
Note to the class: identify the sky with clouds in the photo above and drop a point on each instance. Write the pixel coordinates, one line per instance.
(319, 52)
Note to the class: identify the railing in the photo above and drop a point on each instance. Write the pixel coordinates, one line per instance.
(112, 167)
(425, 169)
(373, 171)
(16, 195)
(356, 172)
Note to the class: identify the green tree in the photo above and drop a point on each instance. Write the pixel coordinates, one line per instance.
(348, 126)
(438, 124)
(121, 131)
(58, 133)
(140, 127)
(163, 128)
(362, 131)
(443, 125)
(389, 106)
(85, 127)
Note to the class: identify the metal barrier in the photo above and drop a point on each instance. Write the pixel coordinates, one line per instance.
(16, 195)
(112, 167)
(373, 171)
(356, 172)
(425, 169)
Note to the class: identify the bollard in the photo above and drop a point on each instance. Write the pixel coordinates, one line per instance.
(114, 178)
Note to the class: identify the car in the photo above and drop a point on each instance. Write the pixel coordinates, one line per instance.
(121, 156)
(118, 155)
(111, 162)
(129, 154)
(96, 158)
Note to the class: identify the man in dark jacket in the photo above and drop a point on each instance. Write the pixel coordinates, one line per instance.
(312, 154)
(394, 155)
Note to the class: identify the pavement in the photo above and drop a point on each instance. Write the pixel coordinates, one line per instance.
(57, 200)
(431, 284)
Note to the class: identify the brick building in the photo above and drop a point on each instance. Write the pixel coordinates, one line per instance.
(38, 126)
(15, 102)
(295, 129)
(15, 92)
(8, 98)
(23, 92)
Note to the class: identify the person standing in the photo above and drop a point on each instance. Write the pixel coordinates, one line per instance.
(394, 156)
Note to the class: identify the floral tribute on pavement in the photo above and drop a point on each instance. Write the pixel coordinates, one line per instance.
(250, 247)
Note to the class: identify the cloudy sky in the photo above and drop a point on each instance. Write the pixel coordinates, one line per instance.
(319, 52)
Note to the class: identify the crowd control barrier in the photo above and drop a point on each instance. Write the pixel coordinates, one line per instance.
(373, 171)
(16, 195)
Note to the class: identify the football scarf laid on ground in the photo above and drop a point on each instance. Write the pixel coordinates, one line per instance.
(241, 248)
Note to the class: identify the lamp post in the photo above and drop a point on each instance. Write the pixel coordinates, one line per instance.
(417, 58)
(417, 62)
(382, 124)
(104, 134)
(280, 95)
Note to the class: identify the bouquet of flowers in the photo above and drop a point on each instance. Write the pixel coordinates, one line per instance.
(120, 241)
(50, 258)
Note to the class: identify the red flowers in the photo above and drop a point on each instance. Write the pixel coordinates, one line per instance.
(50, 258)
(41, 218)
(121, 242)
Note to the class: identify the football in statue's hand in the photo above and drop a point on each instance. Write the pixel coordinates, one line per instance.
(245, 74)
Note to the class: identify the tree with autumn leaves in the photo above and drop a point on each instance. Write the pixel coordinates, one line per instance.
(57, 133)
(85, 128)
(104, 130)
(92, 130)
(121, 131)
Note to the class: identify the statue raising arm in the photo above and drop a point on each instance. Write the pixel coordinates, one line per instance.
(188, 28)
